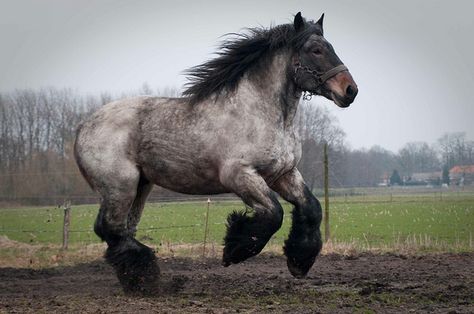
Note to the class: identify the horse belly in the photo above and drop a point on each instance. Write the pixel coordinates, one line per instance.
(184, 177)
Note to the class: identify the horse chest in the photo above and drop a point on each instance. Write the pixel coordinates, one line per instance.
(284, 157)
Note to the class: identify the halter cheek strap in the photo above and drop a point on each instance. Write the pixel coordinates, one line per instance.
(320, 78)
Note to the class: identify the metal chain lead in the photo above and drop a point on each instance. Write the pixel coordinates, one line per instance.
(307, 96)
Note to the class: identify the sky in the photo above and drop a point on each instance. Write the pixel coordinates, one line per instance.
(413, 60)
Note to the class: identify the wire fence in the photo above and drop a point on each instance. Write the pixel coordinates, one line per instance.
(55, 187)
(336, 195)
(187, 220)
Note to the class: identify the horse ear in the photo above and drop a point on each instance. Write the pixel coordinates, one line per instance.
(320, 21)
(298, 22)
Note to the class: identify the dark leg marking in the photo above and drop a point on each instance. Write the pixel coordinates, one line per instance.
(135, 263)
(247, 235)
(136, 266)
(304, 241)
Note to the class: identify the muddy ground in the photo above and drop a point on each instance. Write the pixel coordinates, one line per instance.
(363, 283)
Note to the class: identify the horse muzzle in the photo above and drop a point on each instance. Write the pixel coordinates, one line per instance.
(343, 89)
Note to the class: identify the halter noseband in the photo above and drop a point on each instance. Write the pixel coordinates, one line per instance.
(320, 78)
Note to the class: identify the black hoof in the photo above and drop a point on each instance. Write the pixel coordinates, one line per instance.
(244, 238)
(236, 252)
(297, 269)
(136, 267)
(301, 257)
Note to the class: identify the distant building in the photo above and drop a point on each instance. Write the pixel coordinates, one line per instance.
(384, 180)
(462, 175)
(417, 178)
(424, 178)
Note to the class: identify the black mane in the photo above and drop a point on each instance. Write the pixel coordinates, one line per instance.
(238, 55)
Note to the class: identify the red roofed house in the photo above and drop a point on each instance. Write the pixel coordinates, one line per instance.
(462, 175)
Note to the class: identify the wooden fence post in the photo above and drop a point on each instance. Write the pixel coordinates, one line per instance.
(67, 221)
(326, 193)
(206, 228)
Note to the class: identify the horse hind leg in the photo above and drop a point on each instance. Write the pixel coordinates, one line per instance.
(143, 190)
(135, 263)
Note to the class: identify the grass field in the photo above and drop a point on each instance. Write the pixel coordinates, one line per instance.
(427, 221)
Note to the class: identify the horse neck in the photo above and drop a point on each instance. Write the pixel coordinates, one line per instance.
(276, 88)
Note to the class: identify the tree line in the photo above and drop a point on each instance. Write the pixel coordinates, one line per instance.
(37, 130)
(368, 167)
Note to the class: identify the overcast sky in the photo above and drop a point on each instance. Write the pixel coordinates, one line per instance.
(412, 60)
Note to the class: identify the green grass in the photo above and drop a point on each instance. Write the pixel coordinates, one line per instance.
(370, 221)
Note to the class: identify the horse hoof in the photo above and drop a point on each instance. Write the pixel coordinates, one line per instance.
(235, 253)
(299, 267)
(136, 266)
(225, 263)
(301, 256)
(297, 272)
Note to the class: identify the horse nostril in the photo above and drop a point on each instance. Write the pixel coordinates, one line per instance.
(350, 91)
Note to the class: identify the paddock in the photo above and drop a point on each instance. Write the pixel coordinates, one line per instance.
(362, 282)
(427, 267)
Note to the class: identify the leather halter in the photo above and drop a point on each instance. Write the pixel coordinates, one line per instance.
(320, 78)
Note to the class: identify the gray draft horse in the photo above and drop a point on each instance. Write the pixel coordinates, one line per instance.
(233, 131)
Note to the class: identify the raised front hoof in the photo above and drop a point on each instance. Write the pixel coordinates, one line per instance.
(245, 238)
(136, 267)
(236, 252)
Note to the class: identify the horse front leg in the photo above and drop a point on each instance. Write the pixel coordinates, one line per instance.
(247, 234)
(304, 241)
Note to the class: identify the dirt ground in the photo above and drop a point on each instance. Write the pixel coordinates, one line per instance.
(362, 283)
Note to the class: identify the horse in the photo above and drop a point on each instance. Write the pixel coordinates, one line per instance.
(232, 131)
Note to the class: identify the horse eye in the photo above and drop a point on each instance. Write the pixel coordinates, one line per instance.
(317, 52)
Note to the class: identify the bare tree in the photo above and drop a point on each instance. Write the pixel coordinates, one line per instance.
(418, 157)
(368, 167)
(316, 127)
(455, 149)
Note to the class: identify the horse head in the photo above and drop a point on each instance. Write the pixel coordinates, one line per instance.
(317, 68)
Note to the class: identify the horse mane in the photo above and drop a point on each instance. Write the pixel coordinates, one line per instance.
(239, 54)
